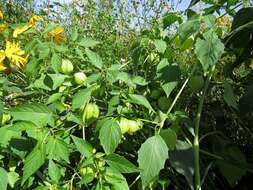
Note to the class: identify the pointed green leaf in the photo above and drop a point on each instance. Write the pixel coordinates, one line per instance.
(209, 50)
(151, 158)
(34, 161)
(120, 163)
(83, 146)
(3, 179)
(94, 58)
(140, 100)
(37, 113)
(188, 28)
(160, 45)
(110, 135)
(81, 98)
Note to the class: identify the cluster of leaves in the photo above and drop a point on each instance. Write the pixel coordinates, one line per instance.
(78, 111)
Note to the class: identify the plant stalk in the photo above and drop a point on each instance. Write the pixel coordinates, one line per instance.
(196, 130)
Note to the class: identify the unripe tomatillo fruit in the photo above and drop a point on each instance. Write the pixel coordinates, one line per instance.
(196, 83)
(134, 126)
(124, 125)
(91, 113)
(164, 103)
(5, 118)
(66, 66)
(86, 170)
(155, 94)
(80, 78)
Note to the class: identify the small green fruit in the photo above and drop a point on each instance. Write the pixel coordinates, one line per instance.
(155, 94)
(196, 83)
(80, 78)
(5, 118)
(153, 58)
(124, 125)
(134, 126)
(164, 103)
(91, 113)
(66, 66)
(86, 170)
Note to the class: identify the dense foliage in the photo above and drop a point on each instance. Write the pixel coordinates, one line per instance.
(118, 95)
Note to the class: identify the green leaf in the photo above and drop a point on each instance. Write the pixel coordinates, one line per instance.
(13, 177)
(110, 135)
(22, 126)
(169, 75)
(88, 43)
(34, 161)
(229, 96)
(188, 28)
(37, 113)
(170, 138)
(209, 50)
(182, 160)
(160, 45)
(170, 18)
(43, 83)
(232, 172)
(79, 53)
(7, 135)
(4, 179)
(81, 98)
(116, 180)
(57, 79)
(54, 97)
(139, 80)
(140, 100)
(120, 163)
(56, 62)
(58, 149)
(94, 58)
(54, 171)
(151, 158)
(74, 34)
(83, 146)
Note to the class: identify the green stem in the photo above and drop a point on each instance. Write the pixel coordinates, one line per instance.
(196, 130)
(177, 97)
(181, 89)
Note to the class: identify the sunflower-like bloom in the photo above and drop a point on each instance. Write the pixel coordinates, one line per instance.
(57, 34)
(34, 20)
(14, 54)
(3, 27)
(30, 24)
(1, 15)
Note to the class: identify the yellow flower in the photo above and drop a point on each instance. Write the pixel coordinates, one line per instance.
(34, 19)
(1, 15)
(15, 54)
(57, 34)
(3, 27)
(2, 57)
(224, 21)
(20, 30)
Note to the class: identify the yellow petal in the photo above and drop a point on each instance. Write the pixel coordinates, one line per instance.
(34, 19)
(20, 30)
(1, 15)
(56, 31)
(2, 67)
(2, 56)
(15, 54)
(57, 34)
(3, 27)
